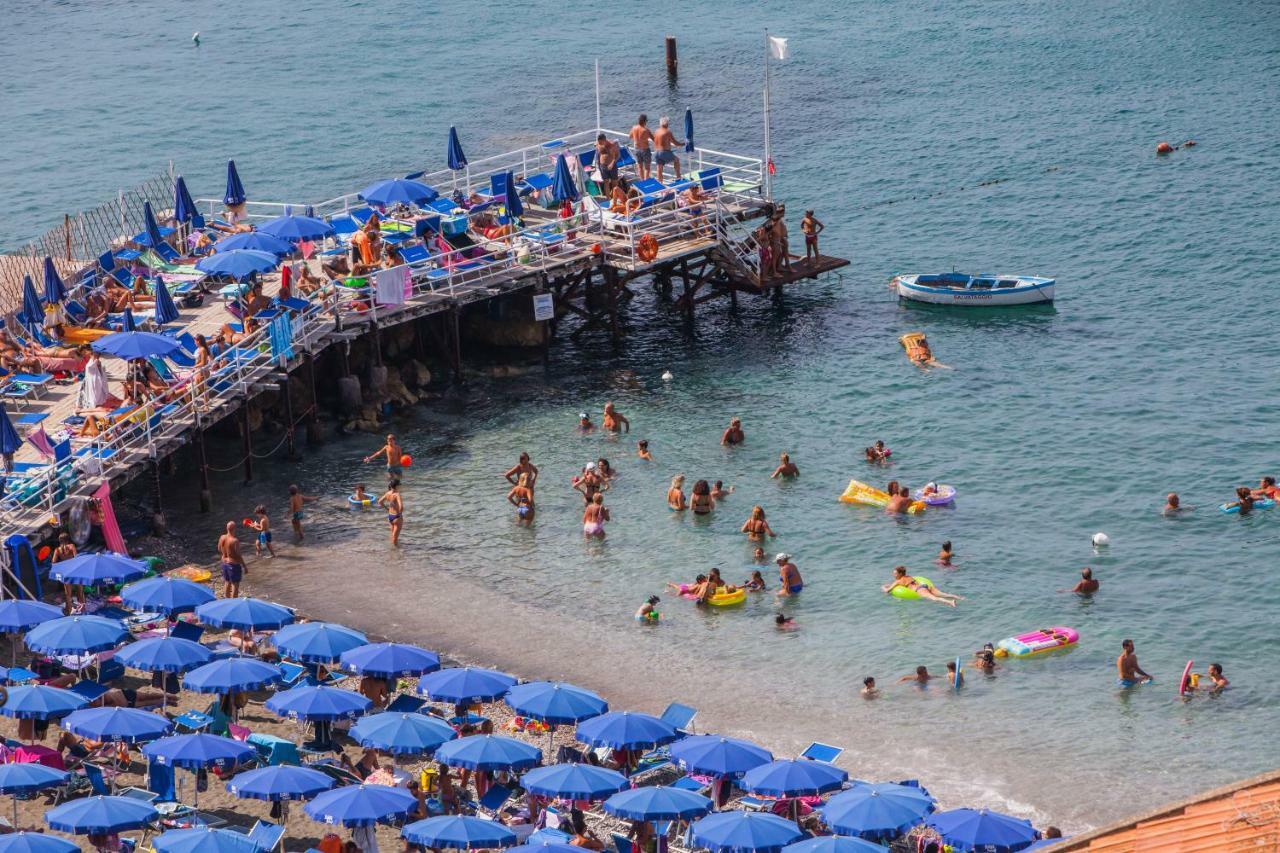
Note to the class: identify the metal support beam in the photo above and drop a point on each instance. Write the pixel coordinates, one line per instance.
(286, 390)
(248, 442)
(206, 495)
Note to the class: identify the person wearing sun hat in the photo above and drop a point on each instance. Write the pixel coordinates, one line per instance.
(584, 422)
(792, 583)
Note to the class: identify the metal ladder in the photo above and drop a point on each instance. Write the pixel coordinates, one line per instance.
(737, 246)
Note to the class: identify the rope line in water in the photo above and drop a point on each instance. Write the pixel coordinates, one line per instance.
(951, 190)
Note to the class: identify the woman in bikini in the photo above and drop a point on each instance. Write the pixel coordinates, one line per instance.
(394, 505)
(594, 517)
(756, 527)
(701, 503)
(204, 363)
(521, 497)
(924, 590)
(675, 494)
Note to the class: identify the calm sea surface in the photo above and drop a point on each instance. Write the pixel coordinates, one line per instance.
(1157, 369)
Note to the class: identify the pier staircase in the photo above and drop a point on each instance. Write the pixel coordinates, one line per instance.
(738, 251)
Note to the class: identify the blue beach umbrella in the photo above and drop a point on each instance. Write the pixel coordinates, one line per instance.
(361, 805)
(457, 160)
(318, 703)
(489, 752)
(465, 684)
(22, 614)
(32, 312)
(41, 702)
(398, 191)
(54, 289)
(554, 702)
(255, 241)
(688, 131)
(290, 227)
(573, 782)
(237, 264)
(204, 839)
(28, 778)
(10, 442)
(625, 730)
(235, 190)
(134, 345)
(167, 595)
(833, 844)
(390, 660)
(1044, 843)
(876, 812)
(75, 635)
(231, 675)
(402, 734)
(513, 204)
(459, 833)
(117, 725)
(545, 847)
(656, 802)
(150, 235)
(247, 614)
(127, 322)
(793, 777)
(317, 642)
(563, 186)
(198, 751)
(164, 654)
(718, 756)
(35, 842)
(979, 829)
(279, 782)
(744, 832)
(166, 311)
(184, 208)
(100, 815)
(98, 569)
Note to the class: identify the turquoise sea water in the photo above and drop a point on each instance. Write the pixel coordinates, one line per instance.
(1155, 371)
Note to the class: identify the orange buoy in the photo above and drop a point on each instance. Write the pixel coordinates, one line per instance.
(1164, 148)
(406, 461)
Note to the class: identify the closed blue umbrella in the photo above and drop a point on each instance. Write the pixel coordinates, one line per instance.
(184, 208)
(563, 186)
(317, 642)
(237, 264)
(656, 802)
(744, 832)
(465, 684)
(457, 160)
(198, 751)
(41, 702)
(28, 778)
(133, 345)
(255, 241)
(318, 703)
(793, 777)
(35, 842)
(100, 815)
(625, 730)
(398, 191)
(231, 675)
(554, 702)
(204, 839)
(54, 289)
(75, 635)
(166, 311)
(402, 734)
(361, 805)
(979, 829)
(32, 312)
(98, 569)
(833, 844)
(459, 833)
(151, 228)
(688, 131)
(297, 228)
(167, 595)
(22, 614)
(10, 441)
(235, 190)
(390, 660)
(128, 323)
(489, 752)
(279, 782)
(718, 756)
(247, 614)
(876, 812)
(164, 654)
(515, 208)
(123, 725)
(574, 782)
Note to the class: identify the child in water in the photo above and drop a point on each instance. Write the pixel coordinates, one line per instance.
(758, 556)
(360, 496)
(642, 450)
(648, 611)
(756, 584)
(945, 555)
(784, 622)
(869, 689)
(296, 501)
(263, 526)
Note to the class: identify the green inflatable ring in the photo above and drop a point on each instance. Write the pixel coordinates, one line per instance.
(910, 594)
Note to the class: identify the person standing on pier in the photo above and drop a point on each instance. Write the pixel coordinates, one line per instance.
(666, 141)
(607, 154)
(642, 141)
(811, 227)
(394, 505)
(393, 453)
(233, 568)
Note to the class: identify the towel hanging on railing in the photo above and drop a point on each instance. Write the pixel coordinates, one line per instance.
(281, 334)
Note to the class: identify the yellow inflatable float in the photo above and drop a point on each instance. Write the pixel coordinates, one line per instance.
(860, 493)
(723, 598)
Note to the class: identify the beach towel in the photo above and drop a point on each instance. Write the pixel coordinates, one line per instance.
(93, 389)
(110, 527)
(40, 440)
(390, 286)
(281, 334)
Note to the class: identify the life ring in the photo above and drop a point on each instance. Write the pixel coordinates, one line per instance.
(647, 248)
(910, 594)
(353, 501)
(725, 599)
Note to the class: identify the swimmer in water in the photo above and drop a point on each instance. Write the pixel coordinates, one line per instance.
(883, 452)
(756, 582)
(700, 499)
(1173, 505)
(521, 497)
(924, 590)
(1243, 501)
(786, 468)
(869, 689)
(1266, 489)
(642, 450)
(789, 575)
(985, 659)
(784, 623)
(954, 677)
(605, 469)
(675, 494)
(360, 494)
(590, 483)
(1128, 673)
(594, 517)
(613, 420)
(1087, 585)
(524, 466)
(872, 456)
(900, 502)
(945, 555)
(758, 556)
(921, 677)
(584, 423)
(691, 590)
(648, 611)
(756, 527)
(719, 491)
(1220, 682)
(733, 434)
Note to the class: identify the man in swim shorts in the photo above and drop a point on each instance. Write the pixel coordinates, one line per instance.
(613, 420)
(792, 583)
(233, 568)
(393, 453)
(642, 141)
(1128, 673)
(607, 154)
(665, 141)
(296, 501)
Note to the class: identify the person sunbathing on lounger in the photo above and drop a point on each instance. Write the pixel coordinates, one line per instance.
(139, 297)
(38, 359)
(228, 335)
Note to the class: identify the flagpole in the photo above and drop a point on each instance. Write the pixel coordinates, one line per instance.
(599, 123)
(768, 155)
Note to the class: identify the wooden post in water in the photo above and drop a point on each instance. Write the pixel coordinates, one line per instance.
(206, 495)
(292, 450)
(313, 418)
(248, 442)
(672, 60)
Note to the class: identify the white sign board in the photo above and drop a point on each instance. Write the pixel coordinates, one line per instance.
(544, 306)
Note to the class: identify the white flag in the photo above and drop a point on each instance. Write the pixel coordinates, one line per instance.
(778, 48)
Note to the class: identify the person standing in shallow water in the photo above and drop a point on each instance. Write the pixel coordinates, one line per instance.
(233, 568)
(394, 505)
(733, 433)
(521, 497)
(613, 420)
(523, 468)
(393, 453)
(594, 517)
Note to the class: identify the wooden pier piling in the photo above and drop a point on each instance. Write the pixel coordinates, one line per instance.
(672, 59)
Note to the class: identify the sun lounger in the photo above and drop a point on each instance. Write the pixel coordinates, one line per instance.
(334, 770)
(267, 835)
(822, 752)
(406, 703)
(621, 844)
(679, 717)
(30, 419)
(493, 800)
(274, 750)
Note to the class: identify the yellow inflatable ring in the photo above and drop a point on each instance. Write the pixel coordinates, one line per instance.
(194, 574)
(724, 599)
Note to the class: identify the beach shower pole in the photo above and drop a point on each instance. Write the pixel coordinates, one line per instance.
(599, 123)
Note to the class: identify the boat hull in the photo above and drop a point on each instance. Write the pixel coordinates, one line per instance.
(1036, 294)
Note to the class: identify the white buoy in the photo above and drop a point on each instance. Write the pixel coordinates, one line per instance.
(1101, 539)
(667, 376)
(195, 38)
